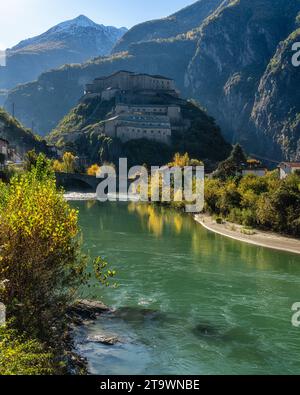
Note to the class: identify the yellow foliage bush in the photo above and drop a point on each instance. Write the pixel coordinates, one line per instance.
(93, 170)
(67, 165)
(40, 259)
(21, 356)
(57, 166)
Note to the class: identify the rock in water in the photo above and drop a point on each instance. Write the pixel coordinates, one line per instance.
(86, 310)
(106, 340)
(206, 330)
(138, 314)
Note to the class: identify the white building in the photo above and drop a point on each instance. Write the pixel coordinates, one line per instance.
(256, 172)
(4, 146)
(127, 80)
(172, 111)
(137, 126)
(287, 168)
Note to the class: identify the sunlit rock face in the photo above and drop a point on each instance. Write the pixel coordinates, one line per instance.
(243, 74)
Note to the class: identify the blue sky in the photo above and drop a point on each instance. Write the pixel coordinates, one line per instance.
(20, 19)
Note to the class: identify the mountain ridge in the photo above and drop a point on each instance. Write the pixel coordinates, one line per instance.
(72, 41)
(180, 22)
(79, 22)
(224, 64)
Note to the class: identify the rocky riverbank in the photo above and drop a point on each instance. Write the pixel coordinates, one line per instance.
(80, 314)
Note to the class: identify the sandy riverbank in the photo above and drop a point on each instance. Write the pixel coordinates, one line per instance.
(259, 238)
(78, 196)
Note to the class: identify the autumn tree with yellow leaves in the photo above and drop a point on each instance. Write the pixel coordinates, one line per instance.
(40, 259)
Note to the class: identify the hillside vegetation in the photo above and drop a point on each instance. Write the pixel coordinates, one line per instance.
(80, 132)
(18, 136)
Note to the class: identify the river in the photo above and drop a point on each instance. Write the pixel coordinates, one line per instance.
(189, 301)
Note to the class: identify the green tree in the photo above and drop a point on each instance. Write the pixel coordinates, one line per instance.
(212, 193)
(2, 159)
(69, 162)
(233, 165)
(30, 160)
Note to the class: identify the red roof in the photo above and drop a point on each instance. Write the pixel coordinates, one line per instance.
(290, 164)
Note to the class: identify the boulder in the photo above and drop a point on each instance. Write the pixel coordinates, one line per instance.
(86, 311)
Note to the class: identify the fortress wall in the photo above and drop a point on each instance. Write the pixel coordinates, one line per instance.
(127, 133)
(128, 81)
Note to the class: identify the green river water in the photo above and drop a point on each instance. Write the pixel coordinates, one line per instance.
(189, 301)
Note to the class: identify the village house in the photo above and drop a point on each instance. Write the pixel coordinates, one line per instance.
(9, 153)
(3, 152)
(286, 168)
(13, 155)
(259, 172)
(254, 167)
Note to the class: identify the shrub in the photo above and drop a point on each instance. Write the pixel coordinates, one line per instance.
(69, 162)
(248, 218)
(40, 255)
(20, 356)
(93, 170)
(67, 165)
(235, 215)
(247, 231)
(2, 158)
(30, 160)
(265, 202)
(57, 166)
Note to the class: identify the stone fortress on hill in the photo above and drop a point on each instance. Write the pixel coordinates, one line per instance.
(145, 106)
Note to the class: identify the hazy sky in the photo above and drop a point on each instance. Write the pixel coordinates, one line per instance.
(20, 19)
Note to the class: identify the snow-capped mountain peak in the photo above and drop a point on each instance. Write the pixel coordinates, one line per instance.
(80, 21)
(73, 27)
(73, 41)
